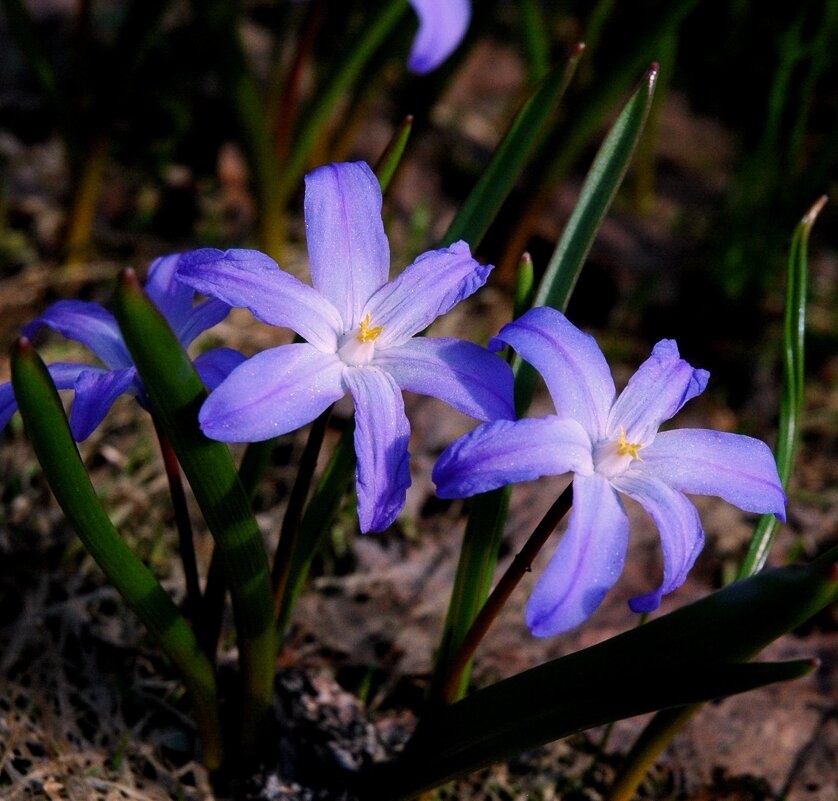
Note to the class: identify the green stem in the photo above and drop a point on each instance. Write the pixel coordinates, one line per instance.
(294, 511)
(500, 595)
(318, 516)
(648, 747)
(186, 543)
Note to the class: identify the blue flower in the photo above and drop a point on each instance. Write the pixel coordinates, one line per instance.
(360, 337)
(442, 26)
(612, 445)
(96, 388)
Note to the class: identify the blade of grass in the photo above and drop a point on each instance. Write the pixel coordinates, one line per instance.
(46, 425)
(791, 405)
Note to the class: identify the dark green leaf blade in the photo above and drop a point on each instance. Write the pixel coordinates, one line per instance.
(525, 133)
(603, 180)
(176, 394)
(46, 425)
(684, 657)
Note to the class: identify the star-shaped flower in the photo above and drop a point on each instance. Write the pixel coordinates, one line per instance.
(360, 331)
(442, 26)
(96, 388)
(612, 445)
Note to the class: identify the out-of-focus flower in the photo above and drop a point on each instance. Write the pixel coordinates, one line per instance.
(442, 26)
(97, 387)
(611, 445)
(360, 331)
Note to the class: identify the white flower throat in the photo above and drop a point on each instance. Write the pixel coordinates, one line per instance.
(613, 457)
(358, 346)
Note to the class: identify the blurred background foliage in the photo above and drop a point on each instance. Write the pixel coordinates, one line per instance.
(128, 129)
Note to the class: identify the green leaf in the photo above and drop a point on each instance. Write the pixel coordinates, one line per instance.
(603, 180)
(525, 133)
(176, 394)
(791, 406)
(687, 656)
(536, 35)
(600, 187)
(318, 516)
(341, 75)
(390, 159)
(472, 582)
(46, 425)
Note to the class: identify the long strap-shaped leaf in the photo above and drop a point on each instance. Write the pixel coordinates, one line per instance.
(523, 137)
(478, 556)
(176, 395)
(791, 406)
(687, 656)
(600, 187)
(46, 425)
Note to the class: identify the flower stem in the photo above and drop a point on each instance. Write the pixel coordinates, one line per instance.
(500, 594)
(186, 543)
(648, 747)
(294, 512)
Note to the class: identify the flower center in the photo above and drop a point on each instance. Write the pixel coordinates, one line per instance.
(367, 334)
(612, 459)
(625, 448)
(358, 346)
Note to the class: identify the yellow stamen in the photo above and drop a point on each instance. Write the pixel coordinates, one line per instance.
(367, 334)
(625, 448)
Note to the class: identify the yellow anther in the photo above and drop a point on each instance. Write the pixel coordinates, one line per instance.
(367, 334)
(625, 448)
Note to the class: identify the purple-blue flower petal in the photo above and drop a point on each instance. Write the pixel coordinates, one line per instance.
(347, 247)
(507, 451)
(436, 282)
(655, 393)
(739, 469)
(176, 301)
(8, 403)
(442, 25)
(587, 562)
(682, 536)
(253, 280)
(574, 369)
(272, 393)
(382, 434)
(215, 365)
(95, 393)
(464, 375)
(172, 297)
(88, 323)
(64, 375)
(201, 317)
